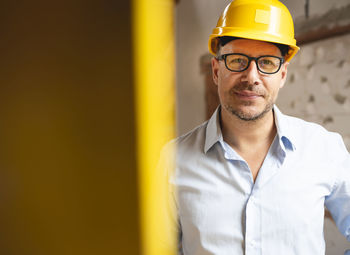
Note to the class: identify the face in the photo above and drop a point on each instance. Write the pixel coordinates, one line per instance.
(248, 95)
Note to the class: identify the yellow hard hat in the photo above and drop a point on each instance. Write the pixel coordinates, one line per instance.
(263, 20)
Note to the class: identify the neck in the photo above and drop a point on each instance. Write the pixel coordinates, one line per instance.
(244, 135)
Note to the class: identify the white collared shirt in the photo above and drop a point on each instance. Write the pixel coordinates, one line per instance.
(222, 211)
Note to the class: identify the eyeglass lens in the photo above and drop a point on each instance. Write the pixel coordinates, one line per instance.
(266, 64)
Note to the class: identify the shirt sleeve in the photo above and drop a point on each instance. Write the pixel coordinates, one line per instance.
(167, 166)
(338, 202)
(166, 172)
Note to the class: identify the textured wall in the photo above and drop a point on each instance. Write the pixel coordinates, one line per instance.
(318, 85)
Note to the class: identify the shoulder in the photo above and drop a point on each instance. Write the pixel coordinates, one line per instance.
(193, 140)
(309, 133)
(197, 133)
(182, 150)
(188, 142)
(307, 128)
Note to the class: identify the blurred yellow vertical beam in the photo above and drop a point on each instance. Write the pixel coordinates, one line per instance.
(153, 29)
(68, 174)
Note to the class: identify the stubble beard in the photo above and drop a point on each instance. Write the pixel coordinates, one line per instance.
(245, 115)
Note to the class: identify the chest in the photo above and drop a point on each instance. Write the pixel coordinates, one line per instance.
(219, 201)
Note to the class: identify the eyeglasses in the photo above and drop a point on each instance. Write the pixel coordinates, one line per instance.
(237, 62)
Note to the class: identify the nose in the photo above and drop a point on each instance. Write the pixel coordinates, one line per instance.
(251, 74)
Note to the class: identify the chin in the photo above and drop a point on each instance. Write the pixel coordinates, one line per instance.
(248, 114)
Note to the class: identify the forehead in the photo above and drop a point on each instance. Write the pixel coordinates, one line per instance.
(251, 48)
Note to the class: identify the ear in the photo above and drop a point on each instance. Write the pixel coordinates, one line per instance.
(215, 69)
(284, 71)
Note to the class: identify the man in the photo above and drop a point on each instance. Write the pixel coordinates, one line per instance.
(252, 180)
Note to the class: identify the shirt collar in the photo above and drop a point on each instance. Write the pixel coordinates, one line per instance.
(213, 131)
(285, 132)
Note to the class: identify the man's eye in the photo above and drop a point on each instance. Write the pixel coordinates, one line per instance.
(266, 62)
(237, 60)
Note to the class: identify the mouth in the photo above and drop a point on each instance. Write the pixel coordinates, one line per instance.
(247, 95)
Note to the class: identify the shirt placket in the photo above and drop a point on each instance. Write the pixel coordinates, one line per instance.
(253, 224)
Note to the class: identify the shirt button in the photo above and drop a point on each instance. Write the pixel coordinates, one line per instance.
(253, 244)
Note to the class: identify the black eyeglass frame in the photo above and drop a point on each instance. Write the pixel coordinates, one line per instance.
(224, 56)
